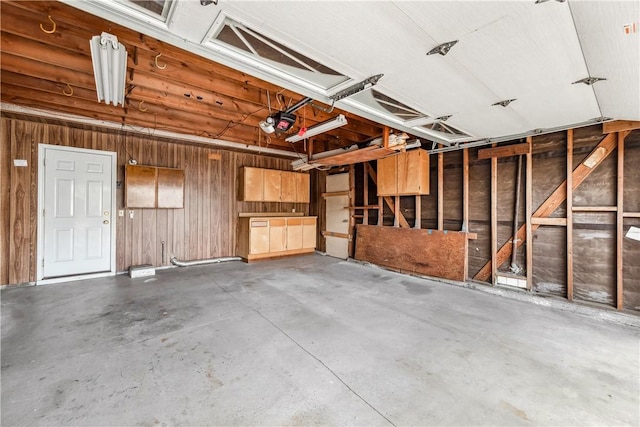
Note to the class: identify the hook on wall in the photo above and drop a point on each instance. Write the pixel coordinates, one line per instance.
(53, 29)
(162, 67)
(64, 92)
(140, 107)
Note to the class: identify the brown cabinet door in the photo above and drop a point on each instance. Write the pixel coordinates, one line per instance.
(309, 233)
(170, 188)
(251, 185)
(413, 172)
(387, 176)
(271, 186)
(277, 232)
(140, 186)
(294, 233)
(302, 188)
(288, 186)
(258, 237)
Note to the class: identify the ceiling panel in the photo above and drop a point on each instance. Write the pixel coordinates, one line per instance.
(610, 36)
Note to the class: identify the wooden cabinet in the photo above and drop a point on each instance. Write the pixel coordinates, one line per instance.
(404, 174)
(269, 237)
(270, 185)
(153, 187)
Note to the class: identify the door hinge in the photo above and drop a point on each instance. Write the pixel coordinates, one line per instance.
(43, 211)
(44, 161)
(43, 262)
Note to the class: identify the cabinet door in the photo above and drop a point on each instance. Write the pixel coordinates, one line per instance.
(288, 186)
(387, 176)
(309, 233)
(294, 233)
(140, 186)
(258, 236)
(251, 186)
(271, 185)
(413, 172)
(302, 188)
(170, 188)
(277, 231)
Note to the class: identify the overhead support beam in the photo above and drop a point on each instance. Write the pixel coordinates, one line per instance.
(504, 151)
(620, 125)
(580, 173)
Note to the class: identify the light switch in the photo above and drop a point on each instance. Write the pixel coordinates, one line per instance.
(131, 214)
(121, 212)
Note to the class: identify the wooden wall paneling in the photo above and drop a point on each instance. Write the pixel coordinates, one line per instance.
(631, 267)
(440, 191)
(479, 213)
(365, 195)
(122, 222)
(528, 212)
(549, 272)
(620, 226)
(452, 191)
(569, 201)
(5, 197)
(162, 215)
(352, 219)
(37, 136)
(217, 204)
(191, 205)
(230, 214)
(178, 227)
(19, 214)
(147, 155)
(494, 218)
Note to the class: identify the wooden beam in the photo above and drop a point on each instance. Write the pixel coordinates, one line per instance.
(352, 199)
(465, 189)
(562, 222)
(440, 191)
(388, 200)
(335, 194)
(580, 173)
(504, 151)
(619, 226)
(631, 215)
(334, 234)
(396, 211)
(569, 198)
(594, 208)
(619, 126)
(365, 189)
(385, 137)
(494, 220)
(418, 213)
(528, 211)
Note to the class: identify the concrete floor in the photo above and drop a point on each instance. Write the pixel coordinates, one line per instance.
(306, 341)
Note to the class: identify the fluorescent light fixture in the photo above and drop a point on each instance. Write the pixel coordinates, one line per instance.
(319, 128)
(109, 59)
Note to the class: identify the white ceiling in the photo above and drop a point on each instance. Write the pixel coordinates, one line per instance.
(506, 50)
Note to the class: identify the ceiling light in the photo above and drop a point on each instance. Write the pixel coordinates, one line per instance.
(443, 48)
(503, 103)
(109, 68)
(267, 125)
(589, 80)
(358, 87)
(328, 125)
(208, 2)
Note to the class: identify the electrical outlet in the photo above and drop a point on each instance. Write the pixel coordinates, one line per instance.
(131, 214)
(121, 212)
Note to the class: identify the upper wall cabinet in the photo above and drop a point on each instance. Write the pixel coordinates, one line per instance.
(404, 174)
(153, 187)
(269, 185)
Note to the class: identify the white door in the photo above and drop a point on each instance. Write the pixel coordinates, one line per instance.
(337, 216)
(76, 211)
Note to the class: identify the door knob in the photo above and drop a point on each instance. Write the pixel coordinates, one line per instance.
(106, 221)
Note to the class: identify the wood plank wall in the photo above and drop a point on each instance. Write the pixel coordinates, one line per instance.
(205, 228)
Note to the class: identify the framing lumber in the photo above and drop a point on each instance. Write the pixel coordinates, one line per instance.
(619, 126)
(440, 191)
(528, 209)
(594, 208)
(562, 222)
(396, 212)
(494, 219)
(352, 198)
(569, 198)
(619, 226)
(388, 200)
(580, 173)
(465, 189)
(505, 151)
(334, 234)
(365, 186)
(418, 213)
(631, 215)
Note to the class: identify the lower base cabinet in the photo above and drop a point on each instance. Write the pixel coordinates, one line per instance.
(270, 237)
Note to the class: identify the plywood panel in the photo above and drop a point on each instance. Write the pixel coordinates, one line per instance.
(387, 171)
(19, 214)
(428, 252)
(170, 188)
(251, 184)
(413, 172)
